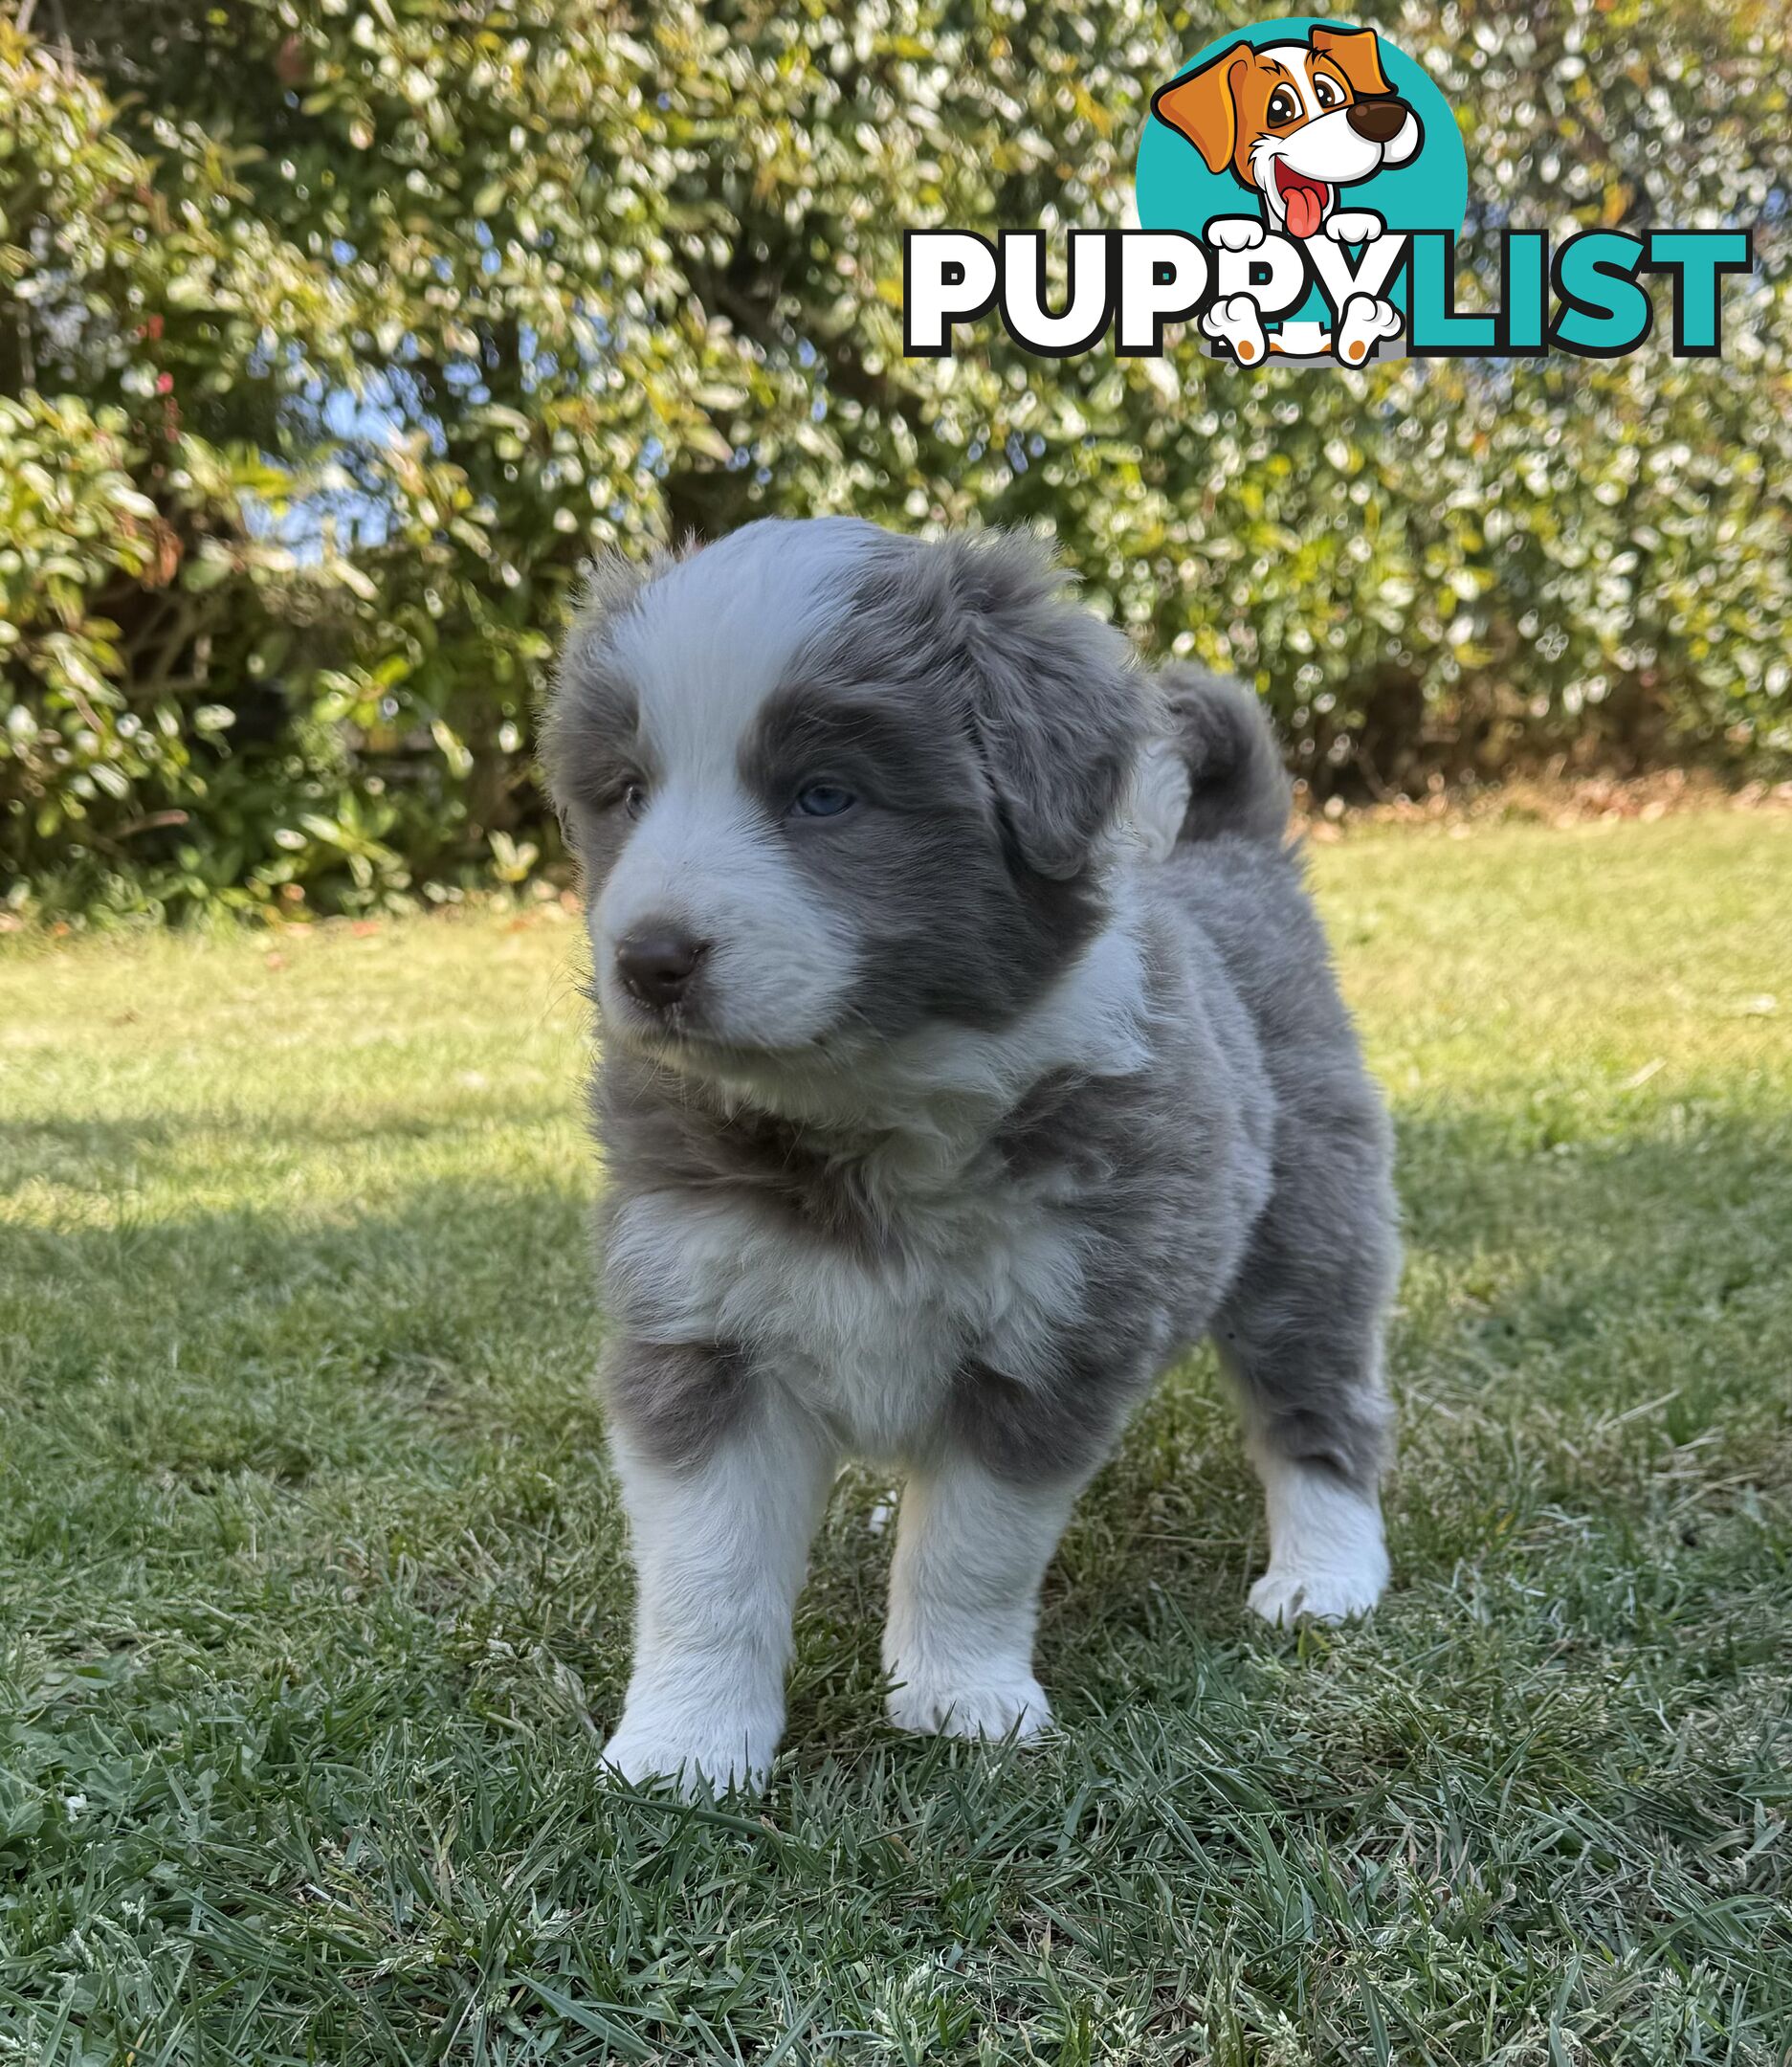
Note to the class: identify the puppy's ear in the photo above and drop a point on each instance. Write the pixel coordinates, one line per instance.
(1357, 53)
(1203, 106)
(1056, 707)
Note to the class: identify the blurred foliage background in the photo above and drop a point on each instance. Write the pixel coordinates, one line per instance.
(334, 334)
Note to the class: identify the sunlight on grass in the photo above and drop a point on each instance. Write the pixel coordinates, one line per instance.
(310, 1576)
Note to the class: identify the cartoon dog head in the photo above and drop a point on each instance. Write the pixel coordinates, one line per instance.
(1295, 121)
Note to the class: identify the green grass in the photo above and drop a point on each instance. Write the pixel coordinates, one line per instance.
(312, 1603)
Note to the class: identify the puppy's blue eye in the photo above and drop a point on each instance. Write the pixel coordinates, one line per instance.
(823, 800)
(635, 799)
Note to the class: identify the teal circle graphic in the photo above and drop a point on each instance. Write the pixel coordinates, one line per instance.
(1176, 191)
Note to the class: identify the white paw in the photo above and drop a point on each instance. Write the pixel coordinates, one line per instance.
(1236, 233)
(719, 1753)
(1364, 321)
(1236, 321)
(990, 1705)
(1353, 226)
(1287, 1595)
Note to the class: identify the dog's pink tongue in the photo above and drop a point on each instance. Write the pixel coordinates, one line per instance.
(1304, 204)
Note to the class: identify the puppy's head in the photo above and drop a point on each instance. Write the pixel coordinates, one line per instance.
(1295, 120)
(827, 784)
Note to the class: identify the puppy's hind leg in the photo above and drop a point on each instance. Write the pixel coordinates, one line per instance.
(1301, 1337)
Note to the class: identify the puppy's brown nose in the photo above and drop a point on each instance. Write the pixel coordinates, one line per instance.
(656, 966)
(1379, 120)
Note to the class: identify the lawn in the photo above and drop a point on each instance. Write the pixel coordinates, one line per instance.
(312, 1603)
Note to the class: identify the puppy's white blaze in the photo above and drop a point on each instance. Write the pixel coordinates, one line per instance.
(710, 640)
(712, 637)
(1328, 1557)
(780, 961)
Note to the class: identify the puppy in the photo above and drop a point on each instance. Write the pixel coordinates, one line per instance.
(943, 1107)
(1294, 122)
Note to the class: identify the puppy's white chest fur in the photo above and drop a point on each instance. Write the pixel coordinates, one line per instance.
(960, 1257)
(868, 1336)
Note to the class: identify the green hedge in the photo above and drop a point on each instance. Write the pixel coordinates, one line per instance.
(335, 338)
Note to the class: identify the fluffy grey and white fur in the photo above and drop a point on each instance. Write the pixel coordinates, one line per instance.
(970, 1048)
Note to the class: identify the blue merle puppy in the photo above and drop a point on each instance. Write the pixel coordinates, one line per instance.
(970, 1048)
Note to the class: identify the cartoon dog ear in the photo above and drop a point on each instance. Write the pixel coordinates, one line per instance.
(1056, 712)
(1203, 106)
(1357, 53)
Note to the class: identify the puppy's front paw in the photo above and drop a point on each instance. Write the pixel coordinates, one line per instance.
(1353, 226)
(1236, 233)
(971, 1704)
(1287, 1595)
(719, 1752)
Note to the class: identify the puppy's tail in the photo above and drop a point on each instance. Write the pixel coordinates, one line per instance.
(1223, 735)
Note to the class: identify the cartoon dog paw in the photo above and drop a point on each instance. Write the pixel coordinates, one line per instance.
(1235, 232)
(1236, 321)
(1354, 226)
(1365, 320)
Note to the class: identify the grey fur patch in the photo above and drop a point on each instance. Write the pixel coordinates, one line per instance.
(1164, 1169)
(1241, 1186)
(991, 726)
(1046, 690)
(658, 1138)
(590, 725)
(1301, 1329)
(1019, 1430)
(679, 1400)
(587, 706)
(947, 921)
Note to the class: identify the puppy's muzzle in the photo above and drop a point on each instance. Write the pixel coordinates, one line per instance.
(1380, 121)
(655, 965)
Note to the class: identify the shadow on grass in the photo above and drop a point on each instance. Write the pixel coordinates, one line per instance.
(1511, 1235)
(93, 1153)
(303, 1350)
